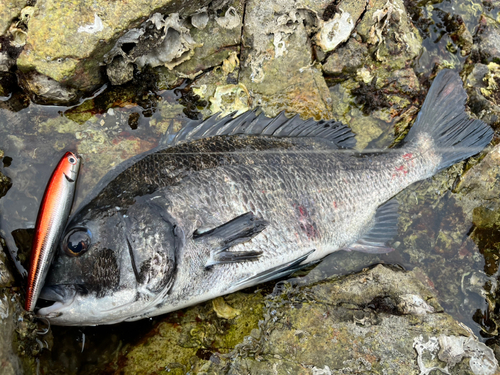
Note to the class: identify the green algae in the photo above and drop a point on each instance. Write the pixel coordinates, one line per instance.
(82, 113)
(59, 124)
(190, 339)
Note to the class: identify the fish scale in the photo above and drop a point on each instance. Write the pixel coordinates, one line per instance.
(303, 179)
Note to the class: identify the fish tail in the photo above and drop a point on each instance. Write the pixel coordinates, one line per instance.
(442, 118)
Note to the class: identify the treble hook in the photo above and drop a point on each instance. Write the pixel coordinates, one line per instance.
(46, 330)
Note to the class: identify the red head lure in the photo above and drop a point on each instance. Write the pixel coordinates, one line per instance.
(50, 223)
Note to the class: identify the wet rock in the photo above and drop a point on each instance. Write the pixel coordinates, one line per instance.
(119, 71)
(6, 278)
(484, 98)
(67, 42)
(481, 182)
(17, 332)
(376, 321)
(189, 340)
(489, 40)
(5, 182)
(46, 90)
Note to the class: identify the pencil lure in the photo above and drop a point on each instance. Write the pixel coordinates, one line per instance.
(52, 216)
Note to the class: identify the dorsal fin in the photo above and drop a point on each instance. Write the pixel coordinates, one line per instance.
(252, 123)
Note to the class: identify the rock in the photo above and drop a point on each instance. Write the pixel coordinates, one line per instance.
(46, 90)
(119, 71)
(17, 334)
(377, 321)
(6, 62)
(220, 37)
(337, 29)
(451, 350)
(160, 41)
(221, 89)
(489, 40)
(346, 59)
(223, 310)
(276, 60)
(484, 97)
(481, 182)
(67, 42)
(388, 30)
(9, 11)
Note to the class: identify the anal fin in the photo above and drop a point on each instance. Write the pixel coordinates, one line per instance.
(384, 229)
(237, 231)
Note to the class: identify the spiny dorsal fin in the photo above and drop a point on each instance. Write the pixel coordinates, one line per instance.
(252, 124)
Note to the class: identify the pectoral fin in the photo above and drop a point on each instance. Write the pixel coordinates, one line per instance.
(383, 230)
(237, 231)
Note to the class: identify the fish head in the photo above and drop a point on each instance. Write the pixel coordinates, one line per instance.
(114, 264)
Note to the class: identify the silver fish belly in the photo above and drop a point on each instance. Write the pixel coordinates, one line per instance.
(230, 203)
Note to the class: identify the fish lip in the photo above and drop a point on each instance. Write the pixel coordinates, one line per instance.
(62, 295)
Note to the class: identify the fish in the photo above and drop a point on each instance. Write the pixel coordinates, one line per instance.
(50, 223)
(229, 203)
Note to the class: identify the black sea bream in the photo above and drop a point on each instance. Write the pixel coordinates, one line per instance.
(231, 203)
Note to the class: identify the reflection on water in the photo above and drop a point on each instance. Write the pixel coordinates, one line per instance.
(459, 254)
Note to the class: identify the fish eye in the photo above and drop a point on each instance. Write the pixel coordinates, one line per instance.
(72, 159)
(77, 241)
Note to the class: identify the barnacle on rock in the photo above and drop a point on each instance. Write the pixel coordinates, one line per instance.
(160, 41)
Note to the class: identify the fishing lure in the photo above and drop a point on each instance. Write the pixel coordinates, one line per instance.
(51, 220)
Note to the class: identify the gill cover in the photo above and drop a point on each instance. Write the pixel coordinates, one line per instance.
(153, 240)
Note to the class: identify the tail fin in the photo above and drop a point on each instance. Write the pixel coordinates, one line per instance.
(456, 136)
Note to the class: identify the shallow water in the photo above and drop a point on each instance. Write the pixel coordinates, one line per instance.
(118, 124)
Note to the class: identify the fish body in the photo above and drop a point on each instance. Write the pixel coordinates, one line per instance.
(232, 203)
(51, 220)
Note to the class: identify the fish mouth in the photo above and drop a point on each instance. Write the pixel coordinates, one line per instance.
(62, 296)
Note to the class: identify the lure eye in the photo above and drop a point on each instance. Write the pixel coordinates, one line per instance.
(72, 159)
(77, 242)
